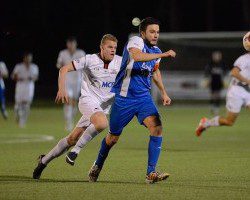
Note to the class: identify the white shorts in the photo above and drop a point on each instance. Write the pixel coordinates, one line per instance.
(24, 92)
(88, 106)
(237, 97)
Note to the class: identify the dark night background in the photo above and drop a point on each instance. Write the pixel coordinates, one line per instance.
(42, 26)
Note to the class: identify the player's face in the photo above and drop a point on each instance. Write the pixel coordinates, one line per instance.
(152, 34)
(108, 50)
(28, 58)
(217, 56)
(71, 45)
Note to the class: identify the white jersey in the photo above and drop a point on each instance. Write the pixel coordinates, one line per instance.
(97, 77)
(25, 84)
(238, 94)
(243, 63)
(65, 57)
(3, 72)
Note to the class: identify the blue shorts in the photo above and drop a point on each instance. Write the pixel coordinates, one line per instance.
(124, 109)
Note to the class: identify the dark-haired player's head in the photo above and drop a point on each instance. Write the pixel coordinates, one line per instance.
(216, 56)
(108, 47)
(71, 44)
(27, 57)
(149, 30)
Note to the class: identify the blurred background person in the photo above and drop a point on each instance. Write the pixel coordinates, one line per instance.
(25, 74)
(3, 75)
(215, 72)
(73, 80)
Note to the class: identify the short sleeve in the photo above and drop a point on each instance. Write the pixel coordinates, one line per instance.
(3, 68)
(135, 42)
(59, 60)
(240, 63)
(15, 71)
(79, 63)
(35, 72)
(157, 64)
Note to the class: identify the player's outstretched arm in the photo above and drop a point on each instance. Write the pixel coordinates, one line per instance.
(139, 56)
(158, 81)
(235, 72)
(62, 95)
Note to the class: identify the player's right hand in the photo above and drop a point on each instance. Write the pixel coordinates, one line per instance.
(169, 53)
(62, 97)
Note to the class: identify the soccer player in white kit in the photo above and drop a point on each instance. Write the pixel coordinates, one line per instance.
(73, 80)
(238, 95)
(4, 73)
(98, 75)
(25, 74)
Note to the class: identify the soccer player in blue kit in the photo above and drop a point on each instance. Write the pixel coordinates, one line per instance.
(141, 58)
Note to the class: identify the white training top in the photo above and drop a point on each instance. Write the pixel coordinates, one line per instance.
(97, 77)
(243, 63)
(65, 57)
(3, 72)
(27, 75)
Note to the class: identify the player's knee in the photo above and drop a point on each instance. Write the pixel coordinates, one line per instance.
(100, 121)
(230, 123)
(111, 140)
(156, 131)
(101, 125)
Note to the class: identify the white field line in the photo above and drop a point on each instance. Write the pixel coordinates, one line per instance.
(22, 138)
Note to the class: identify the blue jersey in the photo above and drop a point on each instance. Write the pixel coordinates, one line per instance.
(134, 78)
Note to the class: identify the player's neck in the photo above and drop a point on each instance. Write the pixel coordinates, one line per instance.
(148, 43)
(26, 64)
(72, 51)
(100, 55)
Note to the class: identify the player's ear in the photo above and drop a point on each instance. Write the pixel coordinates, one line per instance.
(143, 34)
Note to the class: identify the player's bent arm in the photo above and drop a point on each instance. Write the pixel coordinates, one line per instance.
(158, 81)
(61, 94)
(235, 72)
(138, 56)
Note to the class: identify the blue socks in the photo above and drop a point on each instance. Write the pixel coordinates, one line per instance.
(154, 149)
(103, 153)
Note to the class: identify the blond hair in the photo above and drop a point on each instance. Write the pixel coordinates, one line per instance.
(108, 37)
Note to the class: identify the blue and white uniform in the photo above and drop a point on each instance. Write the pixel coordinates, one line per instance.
(132, 87)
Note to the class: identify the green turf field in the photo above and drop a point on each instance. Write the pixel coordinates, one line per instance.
(215, 166)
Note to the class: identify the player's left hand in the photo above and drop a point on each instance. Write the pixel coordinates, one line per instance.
(166, 100)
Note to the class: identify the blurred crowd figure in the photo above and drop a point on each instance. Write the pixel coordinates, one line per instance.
(215, 72)
(4, 73)
(73, 80)
(25, 74)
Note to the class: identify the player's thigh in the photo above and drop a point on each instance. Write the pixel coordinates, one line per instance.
(122, 112)
(75, 134)
(147, 109)
(234, 100)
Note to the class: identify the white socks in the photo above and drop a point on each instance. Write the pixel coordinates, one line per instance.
(213, 122)
(86, 137)
(61, 147)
